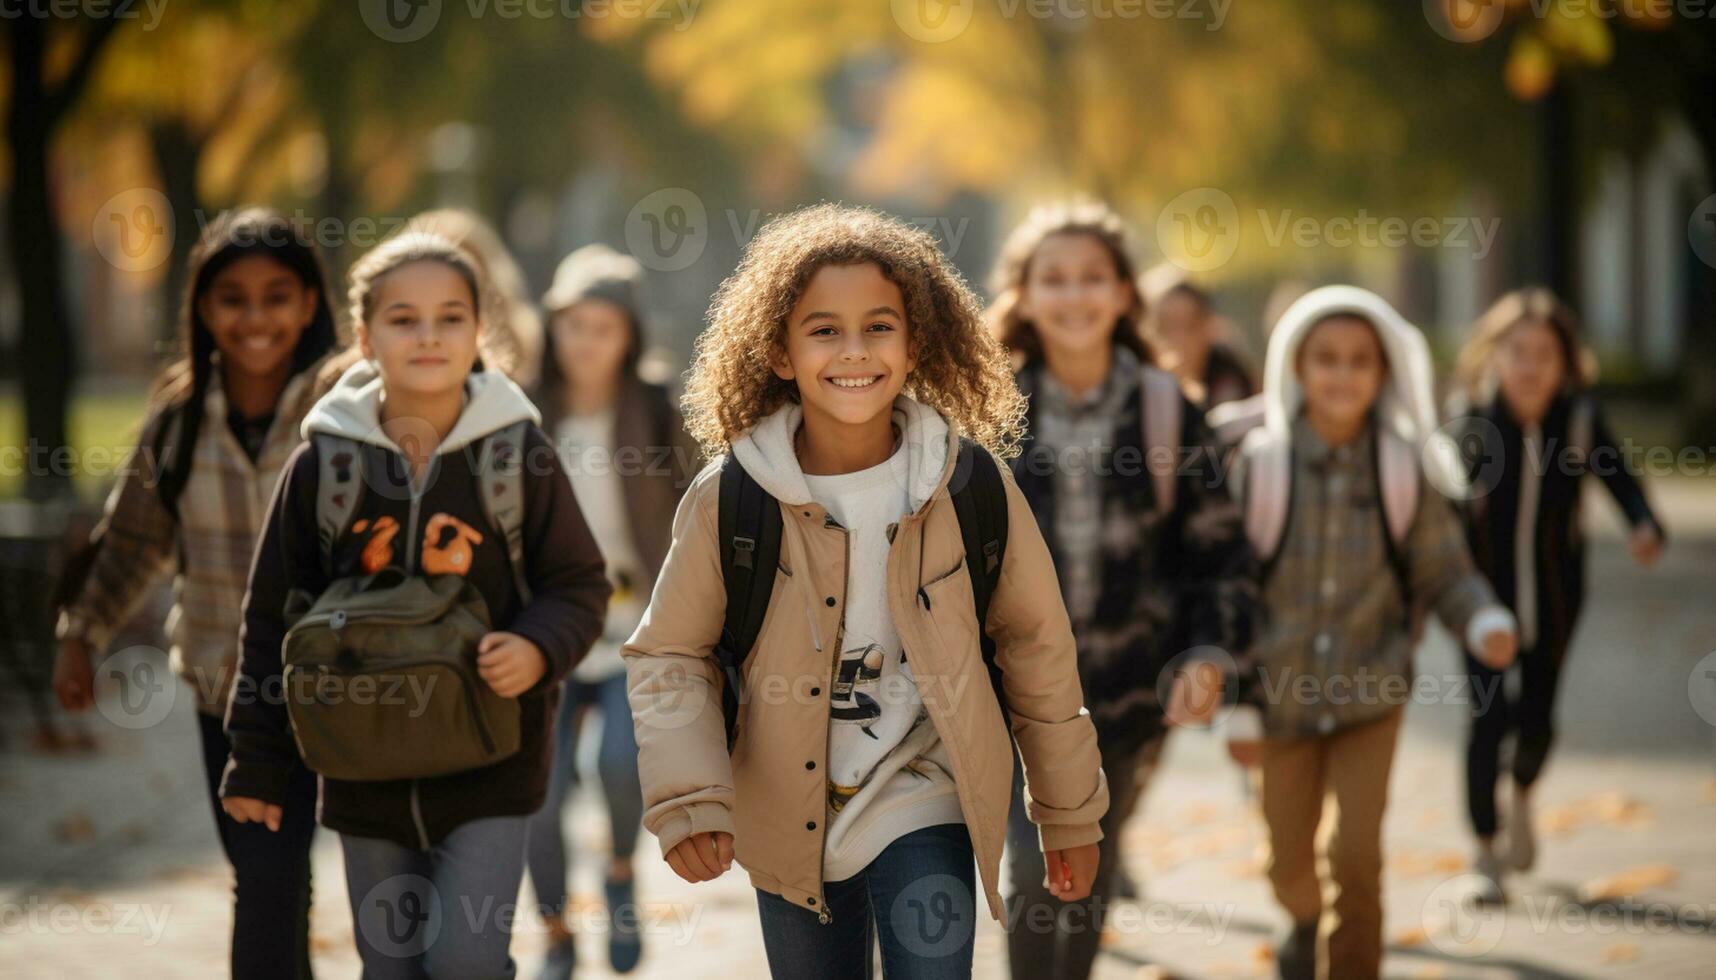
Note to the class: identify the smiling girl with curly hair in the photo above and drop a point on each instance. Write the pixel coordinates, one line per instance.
(852, 751)
(960, 371)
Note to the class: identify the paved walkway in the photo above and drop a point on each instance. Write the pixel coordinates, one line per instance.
(109, 867)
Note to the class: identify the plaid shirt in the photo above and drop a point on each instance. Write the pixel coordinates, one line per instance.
(1336, 646)
(1078, 428)
(221, 510)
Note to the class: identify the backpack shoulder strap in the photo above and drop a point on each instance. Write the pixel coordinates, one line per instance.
(1267, 494)
(339, 487)
(1398, 480)
(500, 485)
(750, 527)
(1398, 484)
(1160, 402)
(980, 502)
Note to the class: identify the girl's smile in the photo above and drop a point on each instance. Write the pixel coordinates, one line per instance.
(847, 351)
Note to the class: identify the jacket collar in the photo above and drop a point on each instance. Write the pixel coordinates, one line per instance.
(353, 409)
(931, 444)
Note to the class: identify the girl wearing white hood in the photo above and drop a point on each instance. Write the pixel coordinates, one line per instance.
(1343, 509)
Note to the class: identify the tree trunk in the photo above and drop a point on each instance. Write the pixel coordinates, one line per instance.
(47, 351)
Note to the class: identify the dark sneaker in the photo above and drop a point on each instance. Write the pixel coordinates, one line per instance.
(625, 940)
(1296, 957)
(562, 957)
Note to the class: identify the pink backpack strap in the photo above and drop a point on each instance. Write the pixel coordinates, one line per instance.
(1268, 462)
(1397, 468)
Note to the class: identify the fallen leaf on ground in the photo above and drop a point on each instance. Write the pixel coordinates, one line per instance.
(1621, 953)
(1410, 938)
(1627, 883)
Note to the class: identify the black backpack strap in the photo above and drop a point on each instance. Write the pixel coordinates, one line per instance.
(750, 528)
(980, 501)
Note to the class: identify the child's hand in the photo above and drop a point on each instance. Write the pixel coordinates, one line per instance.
(244, 809)
(510, 663)
(702, 857)
(1071, 871)
(74, 677)
(1195, 696)
(1247, 752)
(1645, 545)
(1499, 649)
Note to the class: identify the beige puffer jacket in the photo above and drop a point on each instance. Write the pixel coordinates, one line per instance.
(771, 793)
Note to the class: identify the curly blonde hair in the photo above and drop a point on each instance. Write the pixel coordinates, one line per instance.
(962, 372)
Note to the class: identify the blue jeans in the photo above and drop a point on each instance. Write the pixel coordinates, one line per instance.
(917, 897)
(442, 913)
(616, 765)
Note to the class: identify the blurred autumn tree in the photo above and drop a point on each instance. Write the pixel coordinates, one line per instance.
(1320, 103)
(304, 106)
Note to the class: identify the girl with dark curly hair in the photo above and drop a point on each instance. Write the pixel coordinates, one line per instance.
(846, 369)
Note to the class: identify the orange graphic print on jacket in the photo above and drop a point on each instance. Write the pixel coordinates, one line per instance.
(444, 553)
(453, 557)
(378, 551)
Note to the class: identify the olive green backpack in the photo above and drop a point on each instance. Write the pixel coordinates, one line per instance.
(380, 671)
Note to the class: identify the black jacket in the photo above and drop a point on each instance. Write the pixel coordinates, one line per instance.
(1494, 445)
(564, 616)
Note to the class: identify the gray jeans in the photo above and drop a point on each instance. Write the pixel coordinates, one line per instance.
(616, 766)
(442, 913)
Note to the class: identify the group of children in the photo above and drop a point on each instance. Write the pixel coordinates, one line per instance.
(949, 576)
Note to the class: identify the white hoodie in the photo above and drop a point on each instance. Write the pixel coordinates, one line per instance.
(352, 408)
(888, 772)
(1407, 402)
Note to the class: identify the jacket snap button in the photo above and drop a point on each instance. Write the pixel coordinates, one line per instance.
(815, 691)
(810, 765)
(828, 601)
(811, 901)
(810, 825)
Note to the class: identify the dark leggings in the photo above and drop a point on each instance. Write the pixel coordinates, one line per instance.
(271, 899)
(1530, 716)
(1049, 939)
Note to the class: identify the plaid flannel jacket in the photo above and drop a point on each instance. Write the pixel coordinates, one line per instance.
(221, 511)
(1336, 644)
